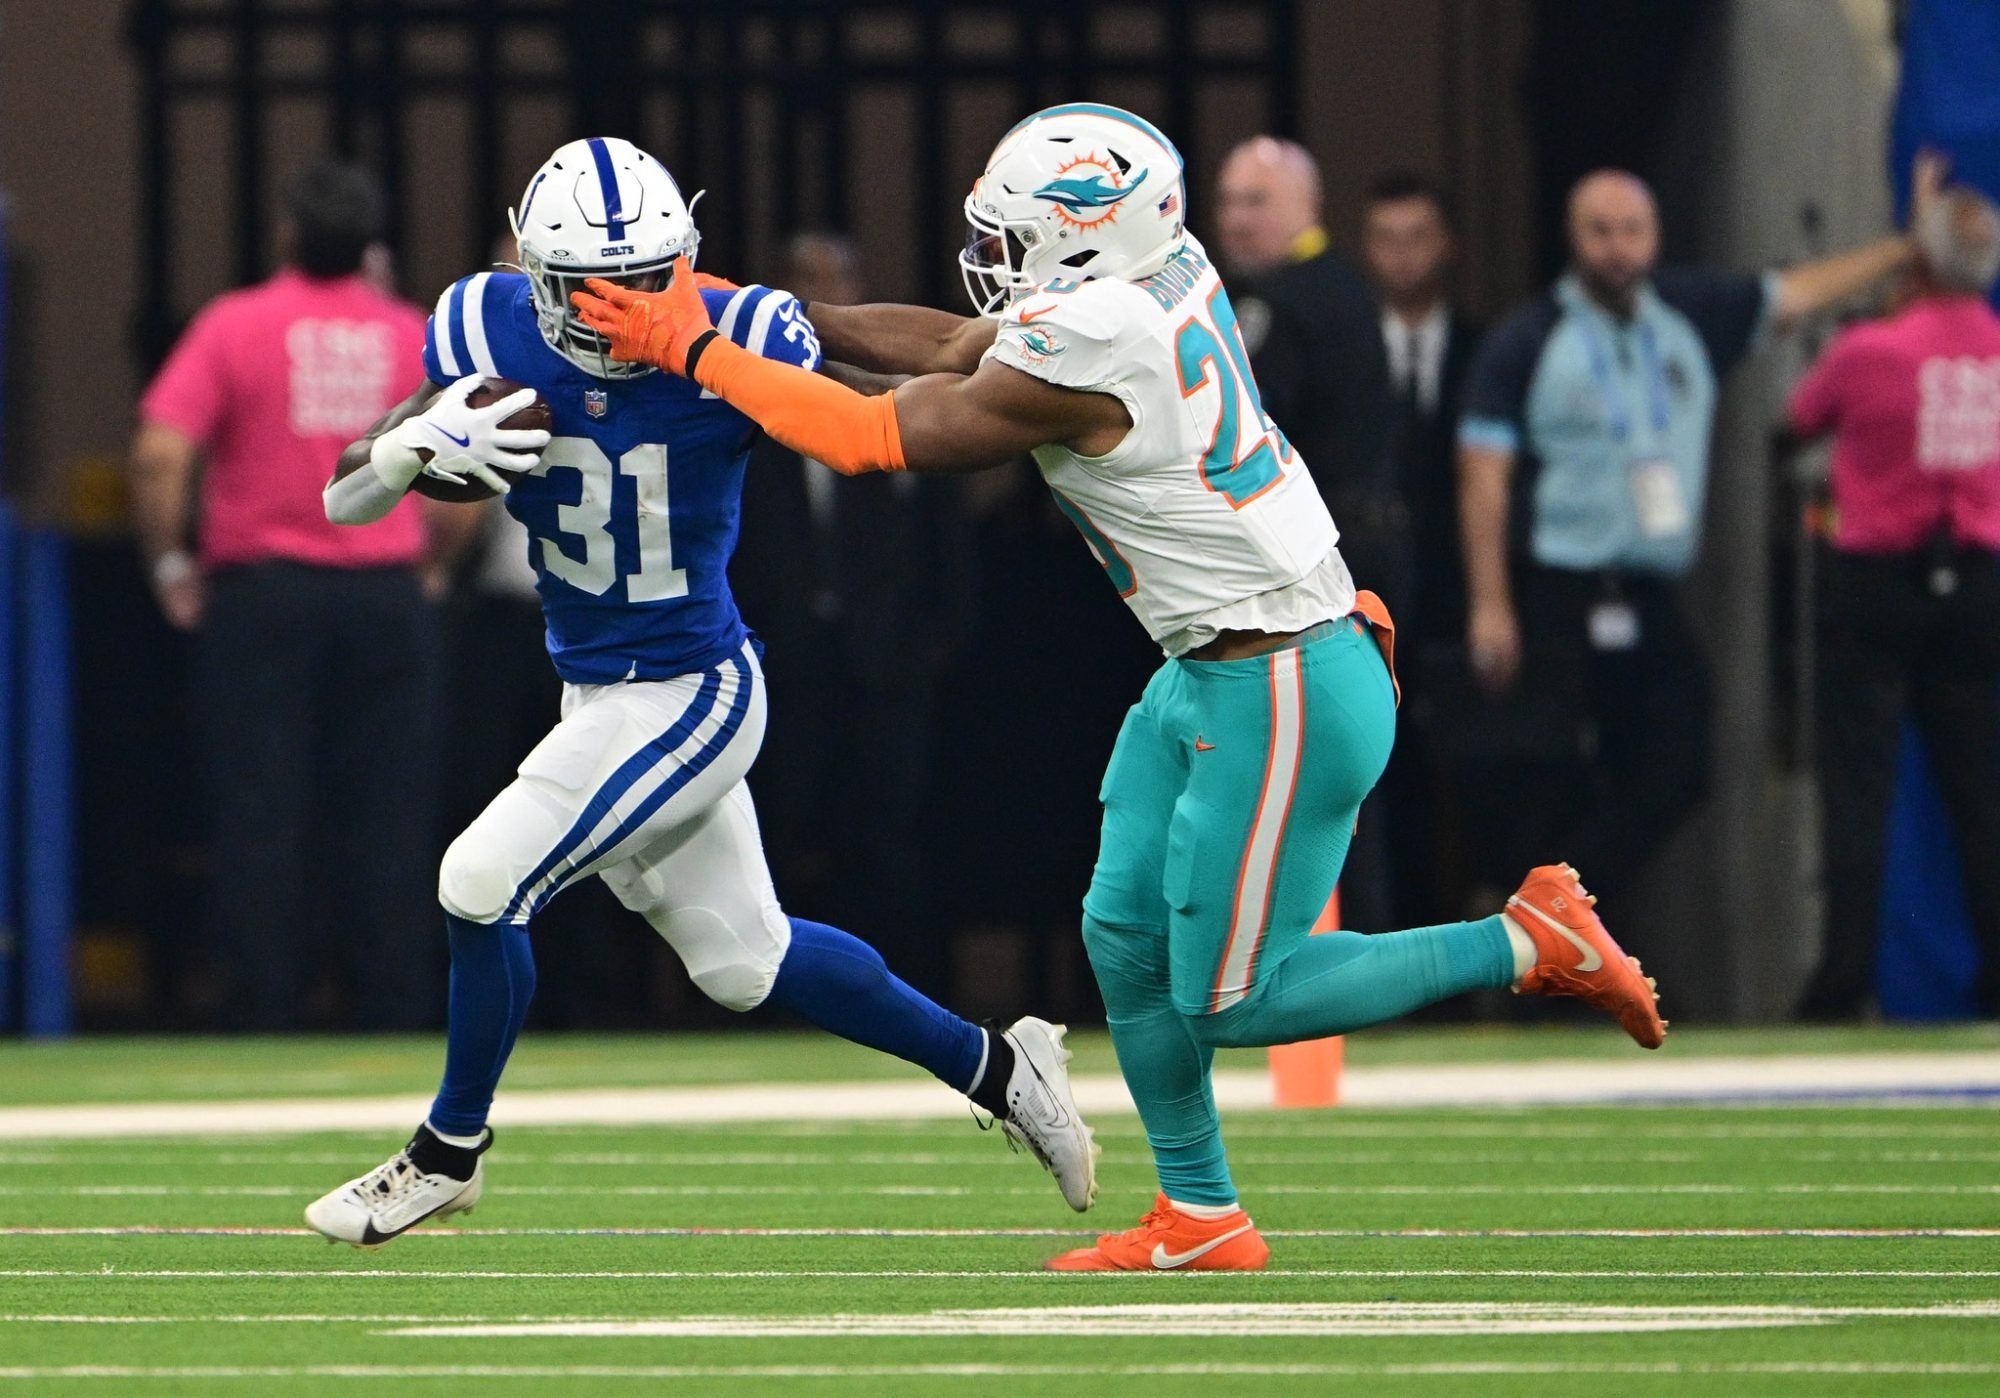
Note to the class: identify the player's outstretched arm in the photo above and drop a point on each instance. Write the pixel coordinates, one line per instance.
(933, 423)
(940, 422)
(955, 422)
(891, 339)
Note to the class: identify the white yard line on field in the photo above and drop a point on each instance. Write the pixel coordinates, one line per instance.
(955, 1191)
(905, 1274)
(187, 1150)
(1179, 1320)
(1657, 1079)
(374, 1373)
(1224, 1318)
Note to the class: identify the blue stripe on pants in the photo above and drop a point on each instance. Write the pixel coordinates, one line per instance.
(623, 780)
(682, 775)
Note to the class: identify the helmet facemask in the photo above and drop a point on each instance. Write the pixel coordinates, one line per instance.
(551, 285)
(994, 260)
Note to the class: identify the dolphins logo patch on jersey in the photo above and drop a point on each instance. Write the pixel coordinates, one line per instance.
(1040, 345)
(1091, 195)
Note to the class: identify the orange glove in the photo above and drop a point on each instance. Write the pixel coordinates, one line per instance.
(705, 282)
(814, 416)
(648, 327)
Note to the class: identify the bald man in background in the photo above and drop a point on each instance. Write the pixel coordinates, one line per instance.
(1314, 335)
(1583, 478)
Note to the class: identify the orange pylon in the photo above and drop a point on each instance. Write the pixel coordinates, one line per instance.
(1308, 1074)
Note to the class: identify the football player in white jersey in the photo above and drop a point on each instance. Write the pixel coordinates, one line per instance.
(1108, 349)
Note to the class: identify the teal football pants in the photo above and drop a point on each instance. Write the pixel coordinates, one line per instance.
(1228, 806)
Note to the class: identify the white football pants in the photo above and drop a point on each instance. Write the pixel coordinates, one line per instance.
(641, 784)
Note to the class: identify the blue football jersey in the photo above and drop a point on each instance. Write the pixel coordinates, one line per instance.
(634, 510)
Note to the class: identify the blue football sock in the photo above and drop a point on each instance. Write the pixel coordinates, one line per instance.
(842, 984)
(1342, 981)
(492, 980)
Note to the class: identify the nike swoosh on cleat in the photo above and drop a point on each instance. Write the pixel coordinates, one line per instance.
(1167, 1261)
(1591, 960)
(464, 441)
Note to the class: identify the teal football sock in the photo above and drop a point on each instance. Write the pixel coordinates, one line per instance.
(1166, 1070)
(1338, 982)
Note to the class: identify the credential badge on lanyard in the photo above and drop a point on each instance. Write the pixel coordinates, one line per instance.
(1658, 502)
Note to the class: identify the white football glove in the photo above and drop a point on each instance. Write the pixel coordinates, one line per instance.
(464, 442)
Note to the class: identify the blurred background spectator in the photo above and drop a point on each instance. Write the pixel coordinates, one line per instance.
(1409, 242)
(317, 661)
(1910, 607)
(1599, 397)
(1408, 245)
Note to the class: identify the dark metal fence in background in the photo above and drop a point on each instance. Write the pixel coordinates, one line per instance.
(764, 102)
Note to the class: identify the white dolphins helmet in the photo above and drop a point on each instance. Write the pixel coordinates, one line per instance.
(599, 208)
(1074, 192)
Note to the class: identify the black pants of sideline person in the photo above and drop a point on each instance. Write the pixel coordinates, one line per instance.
(1607, 798)
(1894, 645)
(316, 692)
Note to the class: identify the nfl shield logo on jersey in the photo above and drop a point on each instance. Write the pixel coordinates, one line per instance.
(596, 402)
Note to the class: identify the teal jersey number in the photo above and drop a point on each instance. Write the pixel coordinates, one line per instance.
(1239, 475)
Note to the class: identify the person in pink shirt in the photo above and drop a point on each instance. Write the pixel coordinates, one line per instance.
(1910, 616)
(315, 657)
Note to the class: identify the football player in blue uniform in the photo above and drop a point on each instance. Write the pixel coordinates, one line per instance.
(633, 503)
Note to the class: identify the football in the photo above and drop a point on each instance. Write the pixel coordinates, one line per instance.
(489, 390)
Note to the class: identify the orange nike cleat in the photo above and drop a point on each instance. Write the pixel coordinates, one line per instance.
(1168, 1240)
(1574, 955)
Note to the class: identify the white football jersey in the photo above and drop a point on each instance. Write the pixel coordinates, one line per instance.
(1204, 517)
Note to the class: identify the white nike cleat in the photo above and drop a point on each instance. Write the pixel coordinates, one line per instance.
(393, 1198)
(1042, 1115)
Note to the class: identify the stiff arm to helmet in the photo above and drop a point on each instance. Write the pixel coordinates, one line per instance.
(940, 422)
(1074, 193)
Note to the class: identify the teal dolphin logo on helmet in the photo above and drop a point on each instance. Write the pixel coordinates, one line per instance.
(1076, 192)
(1079, 196)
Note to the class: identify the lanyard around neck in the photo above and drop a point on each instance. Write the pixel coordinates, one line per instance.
(1607, 382)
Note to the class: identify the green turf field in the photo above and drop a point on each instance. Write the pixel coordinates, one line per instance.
(1836, 1249)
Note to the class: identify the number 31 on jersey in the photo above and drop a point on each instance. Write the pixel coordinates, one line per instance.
(590, 520)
